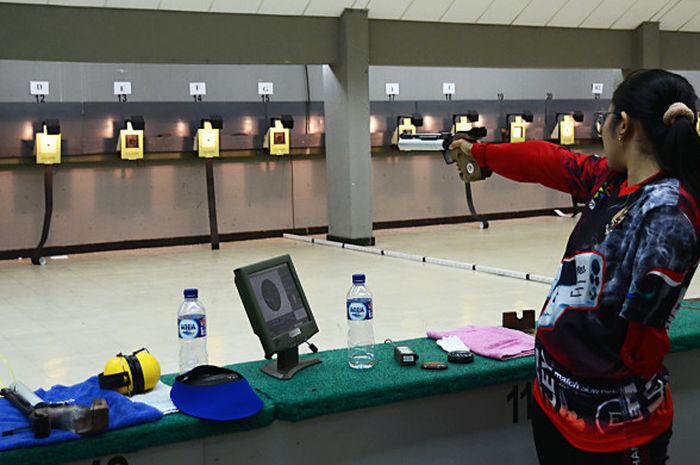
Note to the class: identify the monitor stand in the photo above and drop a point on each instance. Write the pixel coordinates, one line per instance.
(288, 364)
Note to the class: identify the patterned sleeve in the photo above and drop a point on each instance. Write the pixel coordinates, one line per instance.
(584, 173)
(663, 266)
(545, 163)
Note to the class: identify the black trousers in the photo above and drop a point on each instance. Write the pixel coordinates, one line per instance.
(554, 449)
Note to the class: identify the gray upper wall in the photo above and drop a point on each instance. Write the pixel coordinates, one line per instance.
(421, 83)
(93, 82)
(74, 47)
(104, 35)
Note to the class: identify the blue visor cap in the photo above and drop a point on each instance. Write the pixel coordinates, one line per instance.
(215, 393)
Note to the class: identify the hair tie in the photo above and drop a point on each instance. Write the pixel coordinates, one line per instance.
(675, 110)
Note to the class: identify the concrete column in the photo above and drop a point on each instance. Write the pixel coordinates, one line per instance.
(648, 47)
(348, 163)
(649, 38)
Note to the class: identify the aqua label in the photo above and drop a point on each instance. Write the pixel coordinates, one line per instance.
(192, 328)
(360, 309)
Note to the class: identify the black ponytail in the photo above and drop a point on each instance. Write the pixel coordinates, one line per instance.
(645, 96)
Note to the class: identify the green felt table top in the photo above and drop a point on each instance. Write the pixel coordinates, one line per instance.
(685, 330)
(335, 387)
(323, 389)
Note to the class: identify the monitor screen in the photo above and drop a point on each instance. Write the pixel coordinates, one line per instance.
(517, 132)
(279, 313)
(279, 299)
(275, 303)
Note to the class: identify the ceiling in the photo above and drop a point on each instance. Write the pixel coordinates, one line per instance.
(673, 15)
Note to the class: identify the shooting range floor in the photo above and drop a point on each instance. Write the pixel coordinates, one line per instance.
(62, 322)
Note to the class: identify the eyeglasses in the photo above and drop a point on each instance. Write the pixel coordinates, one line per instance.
(600, 121)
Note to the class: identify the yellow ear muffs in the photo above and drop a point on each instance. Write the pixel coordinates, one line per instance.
(131, 374)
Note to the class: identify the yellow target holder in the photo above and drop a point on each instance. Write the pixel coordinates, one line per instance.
(518, 130)
(47, 143)
(405, 125)
(566, 130)
(277, 138)
(130, 145)
(207, 138)
(461, 124)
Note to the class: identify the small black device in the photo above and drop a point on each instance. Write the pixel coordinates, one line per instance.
(460, 356)
(286, 120)
(217, 122)
(137, 122)
(404, 355)
(278, 312)
(434, 366)
(52, 126)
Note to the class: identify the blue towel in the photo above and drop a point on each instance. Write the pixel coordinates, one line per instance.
(122, 413)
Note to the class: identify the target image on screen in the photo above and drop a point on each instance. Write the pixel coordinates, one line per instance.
(278, 298)
(279, 313)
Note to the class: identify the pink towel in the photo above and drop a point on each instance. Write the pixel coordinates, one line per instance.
(491, 341)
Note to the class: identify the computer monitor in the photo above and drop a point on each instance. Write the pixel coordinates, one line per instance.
(278, 311)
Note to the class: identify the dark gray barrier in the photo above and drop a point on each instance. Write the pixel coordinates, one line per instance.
(93, 128)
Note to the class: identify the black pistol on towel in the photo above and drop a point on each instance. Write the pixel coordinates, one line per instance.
(44, 416)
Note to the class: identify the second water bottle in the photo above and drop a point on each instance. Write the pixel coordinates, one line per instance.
(360, 314)
(192, 331)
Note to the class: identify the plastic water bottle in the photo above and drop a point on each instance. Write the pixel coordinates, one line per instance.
(192, 331)
(360, 332)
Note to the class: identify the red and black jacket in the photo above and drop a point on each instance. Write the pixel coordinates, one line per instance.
(602, 333)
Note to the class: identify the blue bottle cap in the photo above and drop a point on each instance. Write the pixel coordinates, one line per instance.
(191, 293)
(358, 279)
